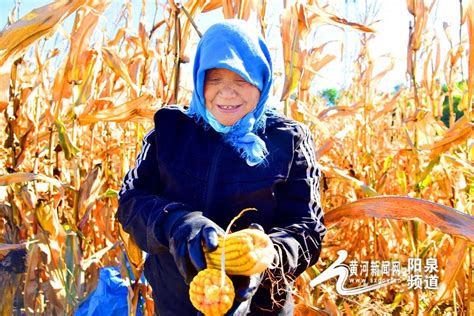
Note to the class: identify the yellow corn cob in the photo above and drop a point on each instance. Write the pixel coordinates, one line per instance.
(208, 295)
(247, 252)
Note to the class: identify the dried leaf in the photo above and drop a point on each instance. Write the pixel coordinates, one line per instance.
(366, 189)
(388, 107)
(302, 309)
(335, 111)
(454, 264)
(444, 218)
(331, 306)
(8, 247)
(88, 193)
(469, 14)
(246, 7)
(135, 255)
(115, 63)
(94, 258)
(19, 177)
(79, 65)
(292, 54)
(5, 70)
(126, 112)
(48, 219)
(70, 149)
(461, 131)
(316, 15)
(324, 149)
(210, 5)
(411, 6)
(33, 266)
(228, 9)
(37, 23)
(382, 74)
(54, 289)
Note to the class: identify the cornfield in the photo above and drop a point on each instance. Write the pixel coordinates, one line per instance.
(398, 179)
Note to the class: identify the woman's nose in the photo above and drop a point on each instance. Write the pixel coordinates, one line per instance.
(227, 91)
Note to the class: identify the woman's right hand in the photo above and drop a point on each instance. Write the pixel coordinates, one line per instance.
(189, 235)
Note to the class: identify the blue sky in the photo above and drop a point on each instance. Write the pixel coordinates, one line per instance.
(391, 37)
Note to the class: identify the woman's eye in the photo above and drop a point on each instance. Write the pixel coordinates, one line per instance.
(241, 83)
(213, 81)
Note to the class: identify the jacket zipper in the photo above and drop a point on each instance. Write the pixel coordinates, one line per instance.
(212, 178)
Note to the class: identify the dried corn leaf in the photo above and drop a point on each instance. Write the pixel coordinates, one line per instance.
(8, 247)
(454, 264)
(5, 70)
(292, 26)
(461, 131)
(382, 74)
(421, 15)
(97, 256)
(134, 254)
(469, 15)
(331, 306)
(324, 149)
(19, 177)
(336, 111)
(81, 35)
(228, 7)
(411, 6)
(78, 65)
(246, 7)
(34, 25)
(194, 8)
(54, 289)
(211, 5)
(122, 113)
(30, 292)
(459, 163)
(69, 148)
(48, 219)
(366, 189)
(314, 62)
(115, 63)
(88, 193)
(388, 107)
(444, 218)
(316, 15)
(302, 309)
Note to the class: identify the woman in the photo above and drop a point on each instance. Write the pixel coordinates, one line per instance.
(200, 167)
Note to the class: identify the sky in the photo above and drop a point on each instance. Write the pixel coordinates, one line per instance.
(390, 39)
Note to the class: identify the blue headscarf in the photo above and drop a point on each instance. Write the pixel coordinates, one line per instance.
(236, 46)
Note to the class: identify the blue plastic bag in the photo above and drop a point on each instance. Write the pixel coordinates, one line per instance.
(109, 298)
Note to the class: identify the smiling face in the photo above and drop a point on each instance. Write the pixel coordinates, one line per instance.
(228, 96)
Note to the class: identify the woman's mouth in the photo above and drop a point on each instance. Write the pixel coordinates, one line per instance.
(229, 108)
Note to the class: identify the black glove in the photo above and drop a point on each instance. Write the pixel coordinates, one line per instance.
(245, 287)
(189, 234)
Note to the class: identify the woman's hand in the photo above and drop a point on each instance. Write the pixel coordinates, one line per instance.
(189, 234)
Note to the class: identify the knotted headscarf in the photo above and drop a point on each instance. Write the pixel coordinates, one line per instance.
(236, 46)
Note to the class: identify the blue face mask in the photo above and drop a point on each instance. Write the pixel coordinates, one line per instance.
(236, 46)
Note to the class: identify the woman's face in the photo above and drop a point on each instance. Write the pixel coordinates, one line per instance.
(228, 96)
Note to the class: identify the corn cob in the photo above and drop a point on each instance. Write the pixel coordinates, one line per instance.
(247, 252)
(208, 295)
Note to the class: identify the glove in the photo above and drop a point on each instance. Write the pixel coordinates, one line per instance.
(245, 287)
(188, 235)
